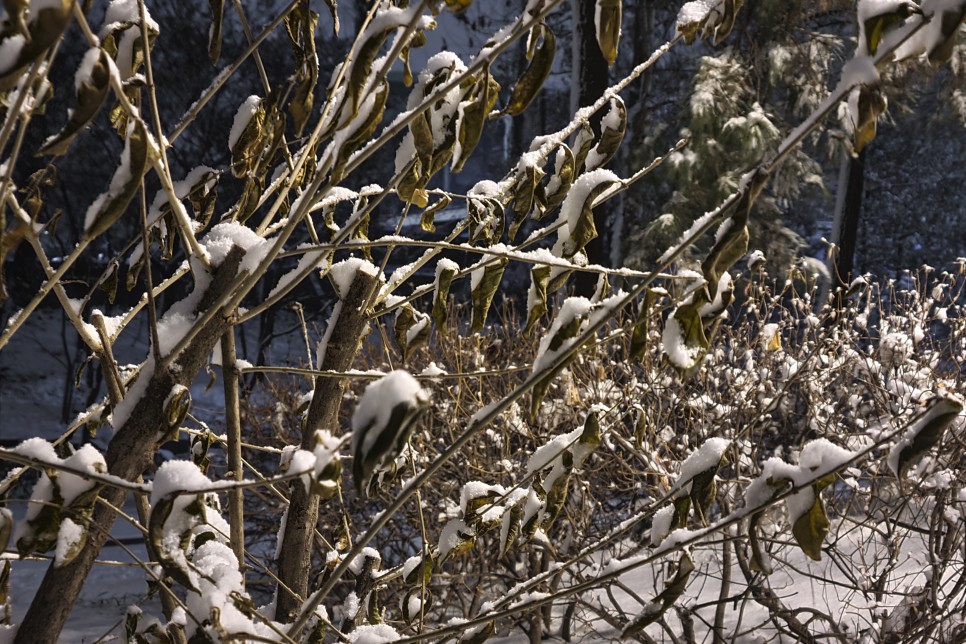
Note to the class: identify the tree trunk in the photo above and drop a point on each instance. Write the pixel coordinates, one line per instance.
(846, 227)
(348, 323)
(130, 452)
(589, 84)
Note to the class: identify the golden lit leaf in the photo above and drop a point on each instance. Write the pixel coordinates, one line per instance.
(532, 80)
(217, 8)
(608, 22)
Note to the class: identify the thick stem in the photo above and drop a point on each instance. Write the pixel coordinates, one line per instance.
(721, 607)
(131, 451)
(348, 325)
(236, 497)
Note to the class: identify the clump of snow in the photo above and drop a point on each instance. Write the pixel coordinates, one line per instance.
(717, 304)
(86, 67)
(817, 459)
(123, 20)
(374, 634)
(358, 563)
(676, 538)
(544, 455)
(473, 490)
(69, 538)
(930, 38)
(572, 308)
(350, 608)
(221, 238)
(661, 525)
(219, 583)
(860, 70)
(343, 273)
(120, 12)
(675, 347)
(446, 105)
(445, 265)
(39, 449)
(870, 9)
(298, 460)
(10, 50)
(405, 152)
(695, 11)
(769, 333)
(178, 476)
(573, 206)
(433, 370)
(86, 459)
(410, 565)
(611, 121)
(326, 450)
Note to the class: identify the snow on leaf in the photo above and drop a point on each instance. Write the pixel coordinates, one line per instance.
(613, 126)
(877, 17)
(446, 270)
(92, 82)
(455, 539)
(136, 158)
(576, 212)
(70, 539)
(924, 433)
(382, 421)
(937, 38)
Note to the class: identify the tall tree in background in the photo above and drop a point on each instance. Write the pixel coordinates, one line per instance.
(589, 81)
(779, 63)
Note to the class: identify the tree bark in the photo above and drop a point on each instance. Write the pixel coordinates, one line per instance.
(348, 324)
(236, 497)
(130, 452)
(846, 227)
(589, 84)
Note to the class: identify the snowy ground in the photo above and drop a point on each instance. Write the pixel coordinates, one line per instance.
(33, 376)
(111, 587)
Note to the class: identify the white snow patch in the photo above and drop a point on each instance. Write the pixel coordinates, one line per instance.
(69, 537)
(374, 634)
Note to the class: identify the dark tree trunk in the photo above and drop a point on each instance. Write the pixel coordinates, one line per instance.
(590, 82)
(847, 231)
(642, 46)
